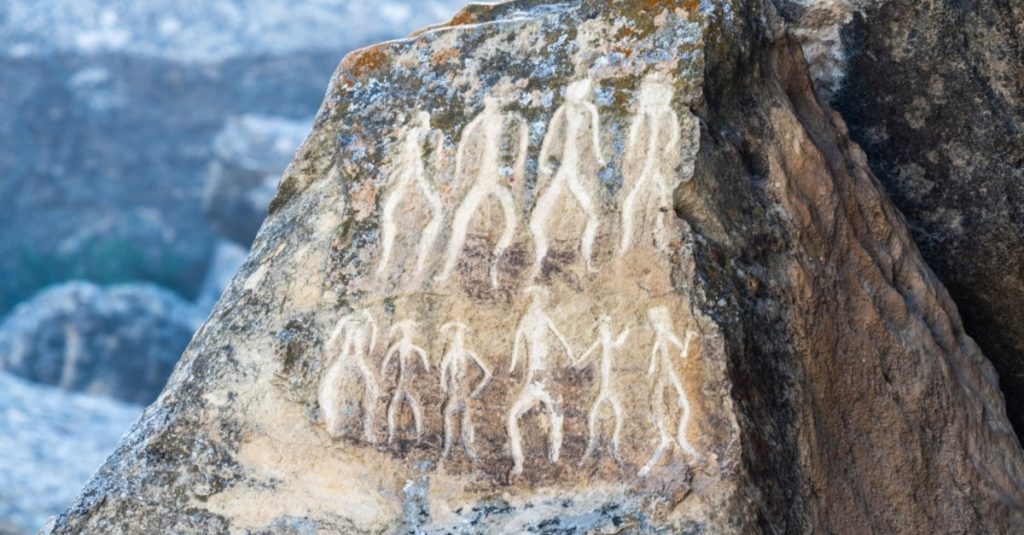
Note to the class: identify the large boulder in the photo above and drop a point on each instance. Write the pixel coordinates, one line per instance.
(110, 112)
(934, 92)
(251, 154)
(575, 267)
(51, 442)
(119, 342)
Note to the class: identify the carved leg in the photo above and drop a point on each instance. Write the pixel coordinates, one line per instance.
(389, 228)
(539, 222)
(593, 221)
(508, 206)
(460, 228)
(526, 400)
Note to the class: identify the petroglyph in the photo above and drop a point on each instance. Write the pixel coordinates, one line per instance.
(651, 162)
(406, 352)
(663, 364)
(487, 130)
(573, 137)
(455, 383)
(410, 178)
(535, 327)
(358, 333)
(608, 343)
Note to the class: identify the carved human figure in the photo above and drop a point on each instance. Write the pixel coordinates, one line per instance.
(487, 131)
(406, 352)
(608, 343)
(358, 335)
(666, 346)
(574, 126)
(410, 178)
(652, 183)
(455, 367)
(532, 334)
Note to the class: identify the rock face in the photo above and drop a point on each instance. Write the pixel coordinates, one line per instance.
(51, 443)
(119, 342)
(111, 108)
(575, 267)
(933, 92)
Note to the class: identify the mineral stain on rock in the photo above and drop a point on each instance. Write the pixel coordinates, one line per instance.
(451, 323)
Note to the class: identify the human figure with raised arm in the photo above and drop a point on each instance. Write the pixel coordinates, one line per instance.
(650, 191)
(666, 347)
(573, 138)
(532, 335)
(406, 352)
(608, 343)
(487, 131)
(410, 178)
(455, 367)
(358, 335)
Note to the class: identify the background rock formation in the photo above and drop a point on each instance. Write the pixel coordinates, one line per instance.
(834, 390)
(933, 91)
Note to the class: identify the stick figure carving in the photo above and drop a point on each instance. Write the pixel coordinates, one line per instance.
(410, 178)
(662, 363)
(567, 133)
(608, 343)
(359, 336)
(406, 351)
(455, 368)
(533, 331)
(652, 187)
(487, 129)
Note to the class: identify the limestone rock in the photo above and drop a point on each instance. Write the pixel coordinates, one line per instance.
(933, 91)
(575, 267)
(119, 342)
(51, 443)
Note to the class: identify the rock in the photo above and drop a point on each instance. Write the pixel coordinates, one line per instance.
(110, 112)
(51, 442)
(251, 153)
(933, 92)
(575, 267)
(119, 342)
(226, 261)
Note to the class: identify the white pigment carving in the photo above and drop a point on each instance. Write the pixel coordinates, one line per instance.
(359, 336)
(608, 343)
(534, 328)
(406, 351)
(455, 368)
(565, 132)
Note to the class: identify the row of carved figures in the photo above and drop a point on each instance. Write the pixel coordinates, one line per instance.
(565, 139)
(357, 334)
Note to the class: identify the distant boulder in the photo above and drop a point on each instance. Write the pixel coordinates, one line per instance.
(251, 153)
(119, 342)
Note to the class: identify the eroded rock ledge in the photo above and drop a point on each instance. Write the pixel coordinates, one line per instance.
(575, 267)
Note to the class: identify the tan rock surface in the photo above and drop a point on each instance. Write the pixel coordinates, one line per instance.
(580, 267)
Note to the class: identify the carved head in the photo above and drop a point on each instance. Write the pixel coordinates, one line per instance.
(405, 327)
(656, 92)
(538, 295)
(492, 105)
(456, 327)
(660, 317)
(422, 119)
(579, 91)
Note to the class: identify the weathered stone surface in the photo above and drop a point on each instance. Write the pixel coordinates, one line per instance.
(579, 266)
(251, 153)
(120, 342)
(934, 93)
(51, 443)
(110, 110)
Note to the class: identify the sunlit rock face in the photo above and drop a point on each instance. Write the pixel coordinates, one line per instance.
(575, 267)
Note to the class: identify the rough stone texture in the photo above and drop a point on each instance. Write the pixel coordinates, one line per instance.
(51, 443)
(120, 342)
(809, 372)
(251, 153)
(110, 110)
(934, 93)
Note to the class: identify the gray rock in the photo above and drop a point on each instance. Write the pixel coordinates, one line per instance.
(110, 112)
(392, 359)
(251, 153)
(119, 342)
(934, 92)
(51, 442)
